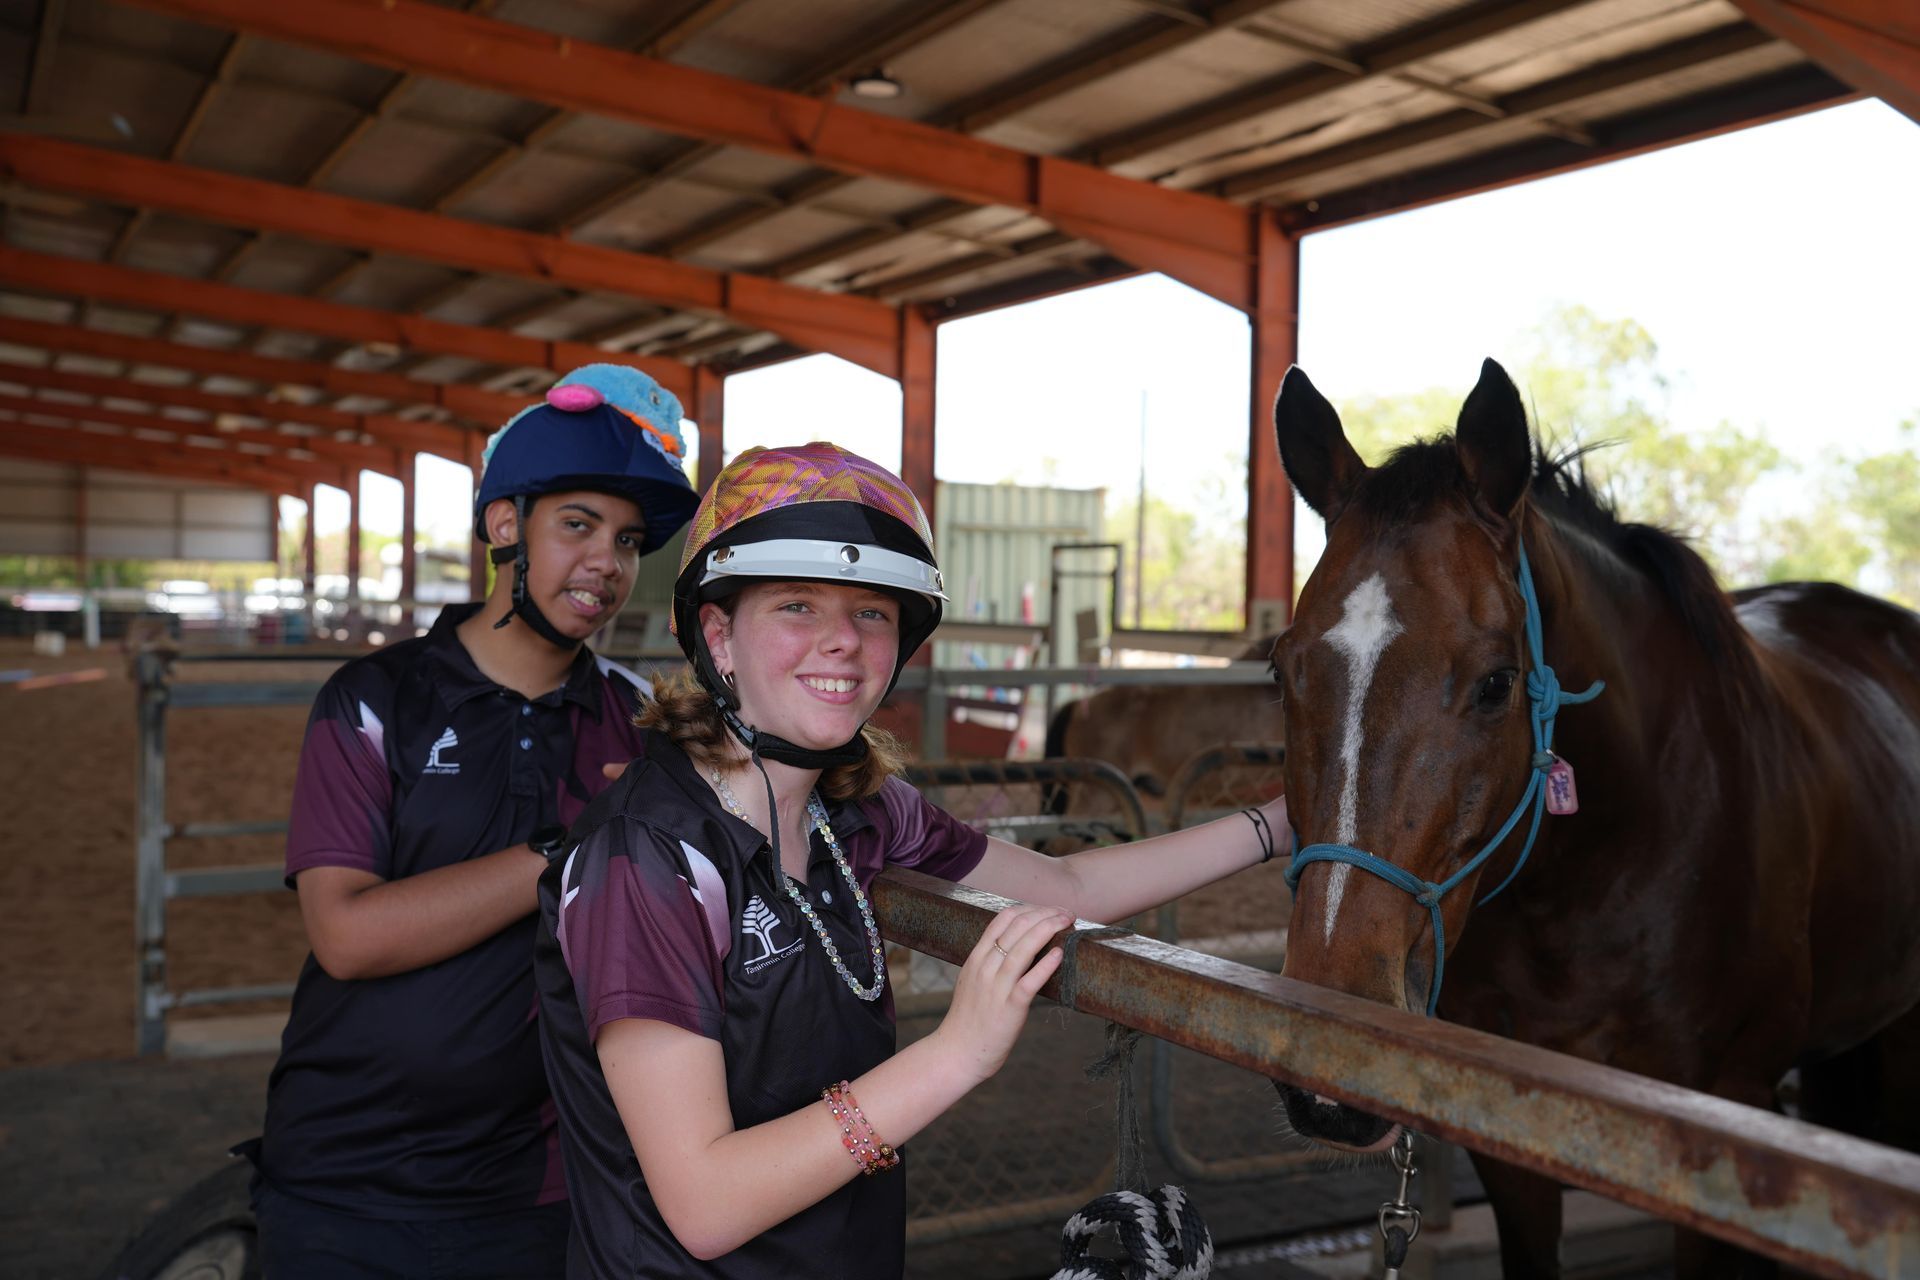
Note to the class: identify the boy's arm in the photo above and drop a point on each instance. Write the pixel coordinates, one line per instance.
(361, 926)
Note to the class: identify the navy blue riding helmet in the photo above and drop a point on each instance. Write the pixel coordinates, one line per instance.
(603, 428)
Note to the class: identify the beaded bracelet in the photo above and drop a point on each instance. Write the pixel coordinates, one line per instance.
(856, 1131)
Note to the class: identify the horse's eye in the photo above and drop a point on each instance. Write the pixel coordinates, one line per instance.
(1495, 690)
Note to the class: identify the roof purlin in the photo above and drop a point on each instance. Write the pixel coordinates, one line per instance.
(1588, 82)
(1777, 97)
(147, 459)
(97, 281)
(429, 437)
(19, 431)
(861, 330)
(378, 455)
(360, 457)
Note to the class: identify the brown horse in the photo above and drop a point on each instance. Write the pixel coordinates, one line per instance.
(1148, 731)
(1737, 894)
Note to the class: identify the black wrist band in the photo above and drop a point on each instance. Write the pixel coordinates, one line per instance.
(1262, 829)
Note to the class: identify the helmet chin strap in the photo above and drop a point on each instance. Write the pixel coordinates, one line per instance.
(523, 604)
(758, 742)
(764, 745)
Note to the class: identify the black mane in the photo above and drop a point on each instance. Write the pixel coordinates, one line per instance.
(1420, 475)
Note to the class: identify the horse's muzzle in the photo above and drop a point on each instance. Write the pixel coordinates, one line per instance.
(1336, 1124)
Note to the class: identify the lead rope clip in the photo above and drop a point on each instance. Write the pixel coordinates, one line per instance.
(1399, 1220)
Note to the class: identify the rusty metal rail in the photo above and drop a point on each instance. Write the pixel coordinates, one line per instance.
(1835, 1205)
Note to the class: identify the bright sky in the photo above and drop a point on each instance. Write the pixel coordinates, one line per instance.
(1776, 267)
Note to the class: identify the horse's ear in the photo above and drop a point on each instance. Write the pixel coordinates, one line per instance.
(1496, 454)
(1313, 447)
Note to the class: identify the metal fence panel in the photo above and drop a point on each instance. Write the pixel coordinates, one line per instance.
(1811, 1197)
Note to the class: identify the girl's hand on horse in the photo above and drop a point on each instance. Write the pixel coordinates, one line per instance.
(997, 985)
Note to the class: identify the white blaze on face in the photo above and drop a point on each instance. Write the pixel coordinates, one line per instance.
(1367, 626)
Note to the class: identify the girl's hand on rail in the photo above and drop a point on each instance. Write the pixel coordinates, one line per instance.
(996, 987)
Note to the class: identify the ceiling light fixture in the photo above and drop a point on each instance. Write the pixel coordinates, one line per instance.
(876, 84)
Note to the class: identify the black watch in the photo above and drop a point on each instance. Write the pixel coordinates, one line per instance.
(549, 841)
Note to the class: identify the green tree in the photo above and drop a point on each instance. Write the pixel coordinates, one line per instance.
(1597, 383)
(1884, 491)
(1194, 574)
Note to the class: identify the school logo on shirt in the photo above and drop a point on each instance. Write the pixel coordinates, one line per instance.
(759, 923)
(436, 761)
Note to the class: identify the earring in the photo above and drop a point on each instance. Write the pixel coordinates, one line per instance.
(728, 677)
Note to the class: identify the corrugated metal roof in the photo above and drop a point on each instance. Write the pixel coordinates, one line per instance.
(1323, 109)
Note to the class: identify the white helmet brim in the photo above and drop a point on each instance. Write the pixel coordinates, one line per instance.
(819, 560)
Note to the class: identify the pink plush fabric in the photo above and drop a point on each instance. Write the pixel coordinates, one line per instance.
(574, 398)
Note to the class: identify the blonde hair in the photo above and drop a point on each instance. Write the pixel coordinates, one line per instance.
(683, 710)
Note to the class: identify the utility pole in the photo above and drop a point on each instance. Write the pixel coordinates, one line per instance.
(1140, 527)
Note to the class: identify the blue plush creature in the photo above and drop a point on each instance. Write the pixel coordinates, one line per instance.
(651, 406)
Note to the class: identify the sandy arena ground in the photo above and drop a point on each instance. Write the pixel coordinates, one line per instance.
(67, 963)
(67, 885)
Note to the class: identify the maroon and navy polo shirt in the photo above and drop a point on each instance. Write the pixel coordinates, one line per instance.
(671, 908)
(421, 1095)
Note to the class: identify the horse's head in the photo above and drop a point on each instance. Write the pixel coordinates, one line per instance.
(1403, 679)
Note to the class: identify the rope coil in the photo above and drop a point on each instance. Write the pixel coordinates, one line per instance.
(1163, 1235)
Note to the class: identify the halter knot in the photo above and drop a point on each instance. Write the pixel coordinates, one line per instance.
(1543, 686)
(1429, 896)
(1543, 761)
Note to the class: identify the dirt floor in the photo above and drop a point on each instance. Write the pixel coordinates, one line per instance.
(67, 964)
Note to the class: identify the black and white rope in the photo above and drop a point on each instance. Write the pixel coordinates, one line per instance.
(1162, 1235)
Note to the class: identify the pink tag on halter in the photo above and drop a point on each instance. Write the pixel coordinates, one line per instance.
(1562, 798)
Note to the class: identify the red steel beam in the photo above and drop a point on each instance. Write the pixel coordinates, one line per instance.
(709, 408)
(857, 329)
(918, 345)
(265, 481)
(92, 449)
(106, 282)
(1276, 346)
(444, 439)
(1203, 241)
(344, 453)
(373, 457)
(20, 408)
(1873, 45)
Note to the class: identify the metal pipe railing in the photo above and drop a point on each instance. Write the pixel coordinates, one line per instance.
(1817, 1199)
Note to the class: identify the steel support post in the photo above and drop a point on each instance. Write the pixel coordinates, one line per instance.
(476, 550)
(409, 558)
(150, 857)
(919, 344)
(918, 382)
(353, 478)
(1276, 345)
(709, 414)
(309, 549)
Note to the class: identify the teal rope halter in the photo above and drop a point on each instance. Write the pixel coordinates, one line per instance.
(1547, 697)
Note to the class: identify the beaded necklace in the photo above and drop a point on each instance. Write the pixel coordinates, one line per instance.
(818, 812)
